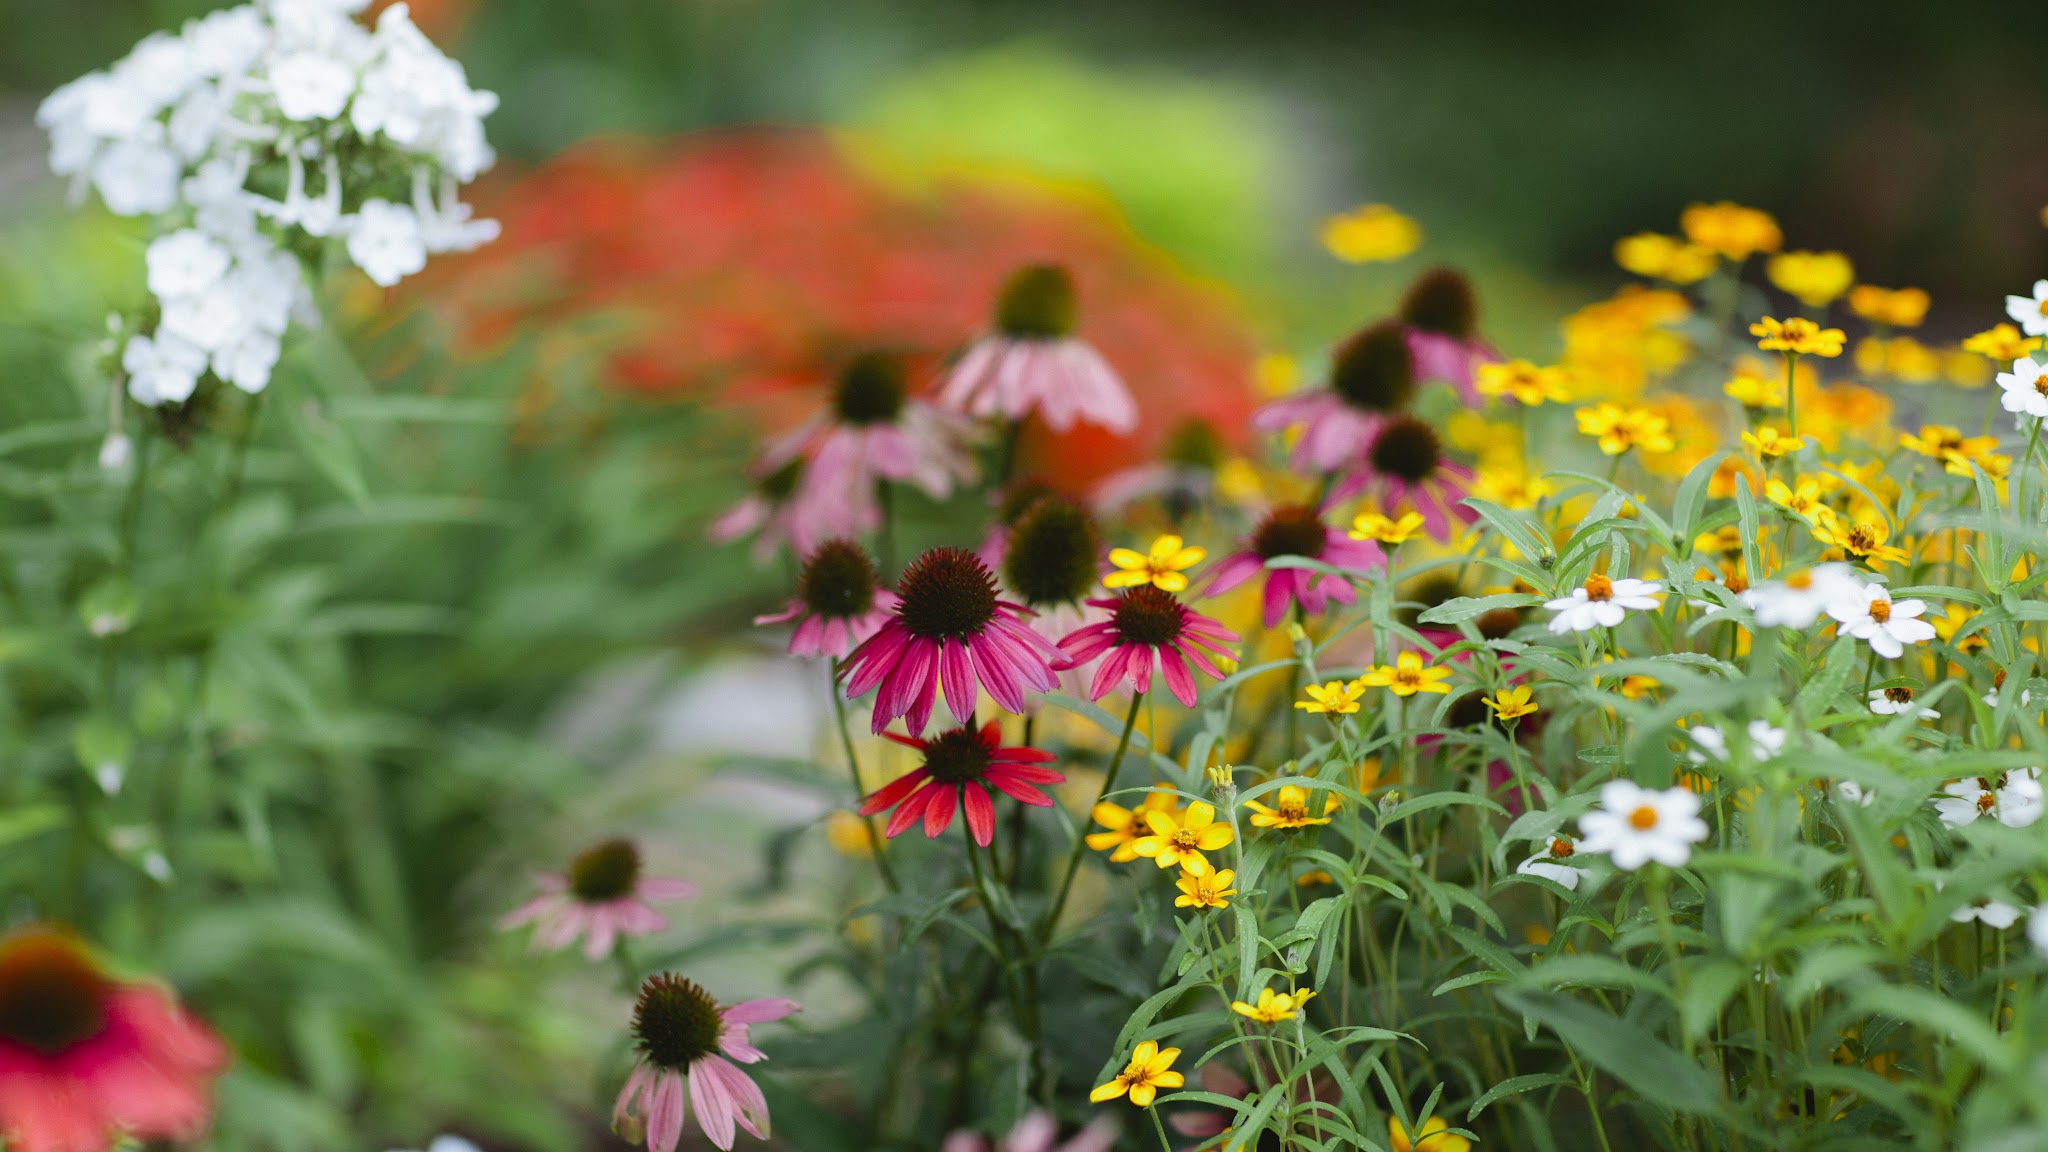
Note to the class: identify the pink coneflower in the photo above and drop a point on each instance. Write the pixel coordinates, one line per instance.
(601, 897)
(1372, 377)
(1038, 1132)
(1182, 479)
(1297, 530)
(1033, 362)
(1148, 627)
(1406, 471)
(686, 1039)
(1011, 503)
(1052, 558)
(837, 604)
(86, 1060)
(783, 511)
(949, 629)
(1442, 314)
(959, 768)
(875, 430)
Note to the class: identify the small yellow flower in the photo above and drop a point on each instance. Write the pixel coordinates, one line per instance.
(1275, 374)
(1942, 441)
(1162, 567)
(1620, 429)
(1901, 357)
(1953, 617)
(1770, 444)
(1406, 676)
(1510, 703)
(1126, 825)
(1752, 388)
(1812, 278)
(1803, 501)
(1637, 687)
(1797, 335)
(1290, 809)
(1996, 466)
(1861, 539)
(1524, 382)
(1663, 257)
(1370, 234)
(1332, 697)
(1731, 229)
(1373, 526)
(1435, 1137)
(1150, 1069)
(1180, 843)
(1212, 890)
(1273, 1007)
(1509, 487)
(849, 836)
(1725, 541)
(2001, 343)
(1892, 307)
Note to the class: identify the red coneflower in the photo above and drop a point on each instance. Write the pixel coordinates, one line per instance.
(1032, 362)
(1372, 377)
(956, 767)
(1149, 628)
(86, 1060)
(1297, 530)
(1406, 471)
(949, 629)
(837, 602)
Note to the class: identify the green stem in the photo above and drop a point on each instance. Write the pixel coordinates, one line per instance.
(1159, 1126)
(1059, 902)
(875, 843)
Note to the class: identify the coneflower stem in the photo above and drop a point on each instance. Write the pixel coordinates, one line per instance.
(853, 769)
(1059, 902)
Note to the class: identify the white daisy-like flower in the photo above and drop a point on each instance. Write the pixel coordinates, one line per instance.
(1850, 792)
(1898, 702)
(1801, 597)
(2030, 312)
(1872, 617)
(1602, 603)
(2024, 390)
(1994, 913)
(1635, 825)
(1551, 864)
(1765, 742)
(2016, 802)
(1991, 698)
(2037, 929)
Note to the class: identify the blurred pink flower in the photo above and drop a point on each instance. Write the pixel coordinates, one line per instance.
(686, 1040)
(1406, 471)
(837, 603)
(600, 898)
(1032, 362)
(1372, 378)
(1149, 628)
(783, 511)
(1038, 1132)
(1297, 530)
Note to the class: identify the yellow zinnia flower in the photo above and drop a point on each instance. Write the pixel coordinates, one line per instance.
(1663, 257)
(1150, 1069)
(1435, 1137)
(1752, 388)
(1373, 526)
(1812, 278)
(1370, 234)
(1620, 429)
(1273, 1007)
(1181, 842)
(1941, 441)
(1797, 335)
(1731, 229)
(1509, 487)
(1127, 825)
(1862, 540)
(1162, 567)
(2002, 343)
(1803, 501)
(1333, 697)
(1770, 444)
(1893, 307)
(1509, 703)
(1211, 890)
(1527, 384)
(1406, 676)
(1290, 809)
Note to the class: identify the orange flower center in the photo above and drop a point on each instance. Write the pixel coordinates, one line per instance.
(1986, 801)
(1800, 581)
(1881, 611)
(2041, 383)
(1599, 587)
(1643, 819)
(1899, 695)
(1560, 848)
(1184, 841)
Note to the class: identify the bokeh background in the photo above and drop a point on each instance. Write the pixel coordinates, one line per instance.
(709, 203)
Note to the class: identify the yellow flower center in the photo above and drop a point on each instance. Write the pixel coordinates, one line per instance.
(1881, 611)
(2041, 383)
(1862, 538)
(1643, 818)
(1408, 677)
(1562, 849)
(1799, 581)
(1599, 587)
(1184, 841)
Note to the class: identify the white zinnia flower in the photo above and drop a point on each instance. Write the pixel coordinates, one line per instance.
(1635, 825)
(1850, 792)
(1602, 603)
(1887, 627)
(2030, 312)
(385, 242)
(2025, 388)
(1799, 599)
(1550, 864)
(1765, 742)
(1995, 913)
(2037, 929)
(1898, 702)
(2017, 802)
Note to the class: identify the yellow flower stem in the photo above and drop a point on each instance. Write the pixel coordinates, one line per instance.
(1059, 902)
(853, 768)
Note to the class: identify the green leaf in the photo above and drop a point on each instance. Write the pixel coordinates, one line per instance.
(1624, 1050)
(1515, 1086)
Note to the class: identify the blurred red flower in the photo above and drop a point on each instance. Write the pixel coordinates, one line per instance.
(750, 264)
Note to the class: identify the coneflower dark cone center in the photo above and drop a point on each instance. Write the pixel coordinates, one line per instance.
(871, 389)
(1291, 530)
(838, 580)
(1374, 370)
(51, 993)
(676, 1022)
(1052, 553)
(1407, 449)
(605, 871)
(956, 757)
(1442, 301)
(1148, 615)
(1037, 303)
(948, 594)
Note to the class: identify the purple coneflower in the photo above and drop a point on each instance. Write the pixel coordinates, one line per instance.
(874, 430)
(1442, 315)
(686, 1040)
(1297, 530)
(601, 897)
(1034, 362)
(949, 629)
(1372, 377)
(782, 510)
(837, 604)
(959, 768)
(1149, 628)
(1406, 471)
(1052, 559)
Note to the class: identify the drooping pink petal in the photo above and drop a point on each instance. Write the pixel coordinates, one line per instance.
(1178, 681)
(712, 1098)
(888, 795)
(628, 1102)
(665, 1113)
(760, 1011)
(956, 672)
(908, 812)
(938, 811)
